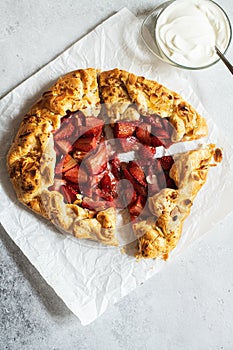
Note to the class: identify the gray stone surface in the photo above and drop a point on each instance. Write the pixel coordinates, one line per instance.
(189, 304)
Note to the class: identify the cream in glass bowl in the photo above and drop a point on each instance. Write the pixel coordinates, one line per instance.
(187, 31)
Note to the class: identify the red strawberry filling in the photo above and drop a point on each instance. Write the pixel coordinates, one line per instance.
(137, 172)
(137, 207)
(69, 192)
(96, 162)
(86, 169)
(143, 133)
(107, 188)
(71, 175)
(128, 144)
(66, 163)
(65, 131)
(166, 162)
(85, 144)
(124, 129)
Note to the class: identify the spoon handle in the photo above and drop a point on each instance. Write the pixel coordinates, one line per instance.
(225, 61)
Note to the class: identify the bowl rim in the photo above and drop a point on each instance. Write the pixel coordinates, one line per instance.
(166, 58)
(143, 26)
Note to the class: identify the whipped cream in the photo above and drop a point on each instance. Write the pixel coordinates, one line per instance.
(188, 30)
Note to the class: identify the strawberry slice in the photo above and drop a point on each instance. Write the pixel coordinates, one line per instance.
(94, 127)
(72, 175)
(89, 127)
(105, 183)
(162, 134)
(65, 131)
(89, 132)
(85, 144)
(64, 146)
(124, 129)
(137, 207)
(155, 142)
(115, 166)
(128, 144)
(143, 133)
(170, 182)
(137, 187)
(69, 192)
(145, 152)
(164, 138)
(166, 162)
(66, 163)
(136, 170)
(97, 162)
(108, 188)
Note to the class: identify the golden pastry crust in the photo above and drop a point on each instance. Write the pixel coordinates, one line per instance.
(114, 95)
(76, 90)
(159, 234)
(31, 158)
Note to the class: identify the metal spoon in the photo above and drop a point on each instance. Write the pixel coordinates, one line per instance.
(225, 61)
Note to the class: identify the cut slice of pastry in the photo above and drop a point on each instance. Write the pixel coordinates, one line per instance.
(160, 233)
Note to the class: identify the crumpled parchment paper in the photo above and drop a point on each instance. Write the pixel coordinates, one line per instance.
(87, 276)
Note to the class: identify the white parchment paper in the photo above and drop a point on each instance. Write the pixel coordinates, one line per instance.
(87, 276)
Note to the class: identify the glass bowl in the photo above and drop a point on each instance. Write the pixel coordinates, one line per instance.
(148, 30)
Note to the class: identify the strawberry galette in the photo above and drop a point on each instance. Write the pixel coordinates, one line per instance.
(89, 149)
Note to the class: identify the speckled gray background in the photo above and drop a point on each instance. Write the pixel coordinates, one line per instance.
(189, 305)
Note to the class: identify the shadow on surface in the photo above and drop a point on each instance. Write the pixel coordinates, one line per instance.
(54, 305)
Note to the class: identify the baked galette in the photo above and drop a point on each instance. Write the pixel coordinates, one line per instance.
(66, 162)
